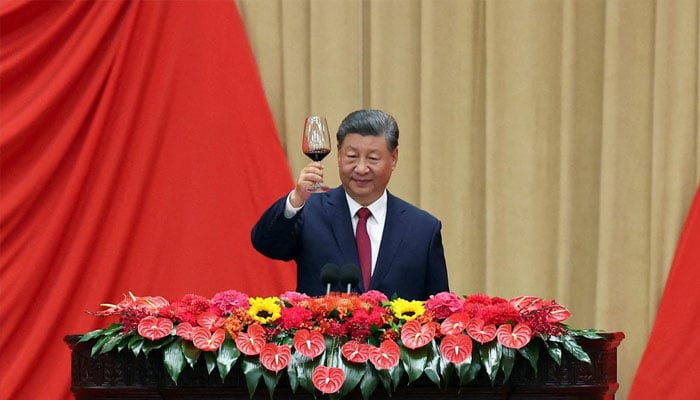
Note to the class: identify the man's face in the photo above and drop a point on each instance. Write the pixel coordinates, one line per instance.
(365, 165)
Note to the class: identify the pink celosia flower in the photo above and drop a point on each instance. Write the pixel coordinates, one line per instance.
(230, 300)
(444, 304)
(293, 298)
(374, 296)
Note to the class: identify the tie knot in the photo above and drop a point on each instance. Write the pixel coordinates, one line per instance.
(363, 213)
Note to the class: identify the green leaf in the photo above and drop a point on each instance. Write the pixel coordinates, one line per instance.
(414, 361)
(97, 347)
(353, 374)
(191, 352)
(531, 352)
(114, 341)
(491, 358)
(369, 383)
(113, 328)
(253, 371)
(554, 351)
(174, 360)
(507, 362)
(136, 344)
(448, 370)
(432, 364)
(467, 371)
(586, 333)
(150, 345)
(305, 368)
(228, 354)
(292, 372)
(271, 379)
(210, 359)
(575, 349)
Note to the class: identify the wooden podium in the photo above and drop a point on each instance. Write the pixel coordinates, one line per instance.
(121, 375)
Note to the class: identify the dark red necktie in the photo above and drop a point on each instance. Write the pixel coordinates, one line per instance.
(364, 247)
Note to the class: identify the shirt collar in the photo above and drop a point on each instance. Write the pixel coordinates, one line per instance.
(378, 207)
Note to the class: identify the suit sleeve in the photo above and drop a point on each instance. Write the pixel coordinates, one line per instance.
(436, 279)
(274, 235)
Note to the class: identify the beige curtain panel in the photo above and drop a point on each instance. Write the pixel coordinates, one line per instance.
(557, 140)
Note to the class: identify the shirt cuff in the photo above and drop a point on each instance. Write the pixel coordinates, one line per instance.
(289, 211)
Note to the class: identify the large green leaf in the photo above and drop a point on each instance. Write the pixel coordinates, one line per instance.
(414, 361)
(353, 373)
(271, 380)
(190, 352)
(253, 371)
(136, 344)
(531, 352)
(432, 364)
(174, 360)
(110, 330)
(210, 360)
(467, 371)
(228, 354)
(575, 349)
(507, 362)
(97, 347)
(150, 345)
(369, 383)
(305, 368)
(292, 371)
(491, 358)
(554, 351)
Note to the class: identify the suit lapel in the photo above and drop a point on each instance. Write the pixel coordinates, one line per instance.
(394, 230)
(337, 210)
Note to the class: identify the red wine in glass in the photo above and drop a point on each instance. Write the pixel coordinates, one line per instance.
(316, 143)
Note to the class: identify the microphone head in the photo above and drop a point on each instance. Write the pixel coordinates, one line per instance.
(330, 274)
(350, 275)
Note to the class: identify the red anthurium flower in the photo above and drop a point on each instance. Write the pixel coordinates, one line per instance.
(328, 380)
(481, 332)
(155, 328)
(184, 330)
(514, 337)
(309, 343)
(456, 348)
(526, 303)
(355, 351)
(414, 335)
(386, 356)
(558, 313)
(252, 342)
(275, 358)
(454, 324)
(206, 340)
(210, 320)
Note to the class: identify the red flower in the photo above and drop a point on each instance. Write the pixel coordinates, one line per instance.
(514, 337)
(454, 324)
(456, 348)
(414, 335)
(206, 340)
(275, 358)
(184, 330)
(252, 342)
(210, 320)
(309, 343)
(155, 328)
(328, 380)
(386, 356)
(480, 331)
(355, 351)
(444, 304)
(294, 317)
(557, 313)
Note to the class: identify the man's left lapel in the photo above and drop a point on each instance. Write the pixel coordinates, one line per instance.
(394, 231)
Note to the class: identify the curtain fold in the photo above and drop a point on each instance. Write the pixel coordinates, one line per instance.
(137, 151)
(558, 141)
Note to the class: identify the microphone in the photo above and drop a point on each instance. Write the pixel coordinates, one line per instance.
(329, 275)
(350, 276)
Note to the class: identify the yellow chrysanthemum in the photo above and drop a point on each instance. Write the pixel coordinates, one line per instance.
(407, 310)
(264, 309)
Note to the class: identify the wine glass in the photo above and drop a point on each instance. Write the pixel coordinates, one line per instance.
(316, 144)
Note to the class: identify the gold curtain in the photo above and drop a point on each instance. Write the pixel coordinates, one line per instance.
(557, 140)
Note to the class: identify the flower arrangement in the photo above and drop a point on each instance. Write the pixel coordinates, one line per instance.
(339, 342)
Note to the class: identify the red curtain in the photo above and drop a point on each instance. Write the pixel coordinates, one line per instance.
(137, 151)
(670, 366)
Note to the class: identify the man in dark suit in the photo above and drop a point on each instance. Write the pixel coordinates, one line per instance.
(404, 253)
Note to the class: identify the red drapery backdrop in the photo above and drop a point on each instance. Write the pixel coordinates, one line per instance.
(670, 366)
(137, 151)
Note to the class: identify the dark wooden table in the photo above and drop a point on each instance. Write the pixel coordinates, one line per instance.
(121, 375)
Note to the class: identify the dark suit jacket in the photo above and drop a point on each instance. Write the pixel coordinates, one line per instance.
(411, 260)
